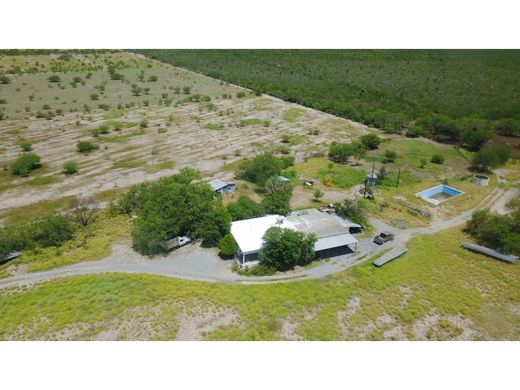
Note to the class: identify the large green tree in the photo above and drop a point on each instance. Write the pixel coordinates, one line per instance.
(175, 206)
(283, 249)
(259, 169)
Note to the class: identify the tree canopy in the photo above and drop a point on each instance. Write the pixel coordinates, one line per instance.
(262, 167)
(175, 206)
(245, 208)
(283, 249)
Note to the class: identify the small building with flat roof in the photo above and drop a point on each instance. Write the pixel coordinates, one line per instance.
(332, 233)
(222, 186)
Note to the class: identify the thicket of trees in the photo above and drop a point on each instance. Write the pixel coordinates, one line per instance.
(490, 157)
(174, 206)
(499, 232)
(454, 96)
(50, 230)
(285, 248)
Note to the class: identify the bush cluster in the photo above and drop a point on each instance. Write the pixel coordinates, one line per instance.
(50, 230)
(24, 164)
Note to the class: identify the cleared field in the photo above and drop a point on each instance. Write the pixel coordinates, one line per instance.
(436, 291)
(140, 137)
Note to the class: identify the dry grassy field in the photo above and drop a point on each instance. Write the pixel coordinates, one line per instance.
(147, 136)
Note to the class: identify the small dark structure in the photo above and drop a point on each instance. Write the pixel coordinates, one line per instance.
(389, 256)
(10, 256)
(490, 252)
(222, 186)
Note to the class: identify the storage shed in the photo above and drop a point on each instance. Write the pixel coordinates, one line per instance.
(222, 186)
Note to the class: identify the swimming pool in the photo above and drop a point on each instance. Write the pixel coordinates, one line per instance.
(438, 194)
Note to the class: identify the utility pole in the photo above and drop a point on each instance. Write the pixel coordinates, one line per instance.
(398, 176)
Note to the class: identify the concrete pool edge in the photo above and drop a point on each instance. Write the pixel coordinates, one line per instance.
(436, 202)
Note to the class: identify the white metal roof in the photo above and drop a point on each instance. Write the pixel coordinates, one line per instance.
(248, 233)
(217, 184)
(334, 241)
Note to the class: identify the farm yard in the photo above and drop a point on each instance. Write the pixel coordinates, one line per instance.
(106, 125)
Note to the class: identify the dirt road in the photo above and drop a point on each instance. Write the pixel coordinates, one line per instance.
(202, 264)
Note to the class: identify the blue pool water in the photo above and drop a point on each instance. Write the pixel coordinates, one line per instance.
(438, 194)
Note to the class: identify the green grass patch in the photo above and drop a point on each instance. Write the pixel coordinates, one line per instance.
(34, 210)
(254, 122)
(160, 166)
(114, 114)
(124, 137)
(214, 126)
(342, 176)
(293, 114)
(411, 151)
(130, 162)
(43, 180)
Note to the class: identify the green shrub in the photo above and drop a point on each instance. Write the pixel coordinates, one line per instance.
(227, 246)
(283, 249)
(24, 164)
(499, 232)
(340, 152)
(390, 156)
(245, 208)
(353, 210)
(86, 147)
(437, 159)
(416, 131)
(257, 270)
(261, 168)
(26, 145)
(4, 79)
(70, 167)
(153, 78)
(94, 96)
(54, 79)
(143, 124)
(371, 141)
(53, 230)
(278, 202)
(491, 157)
